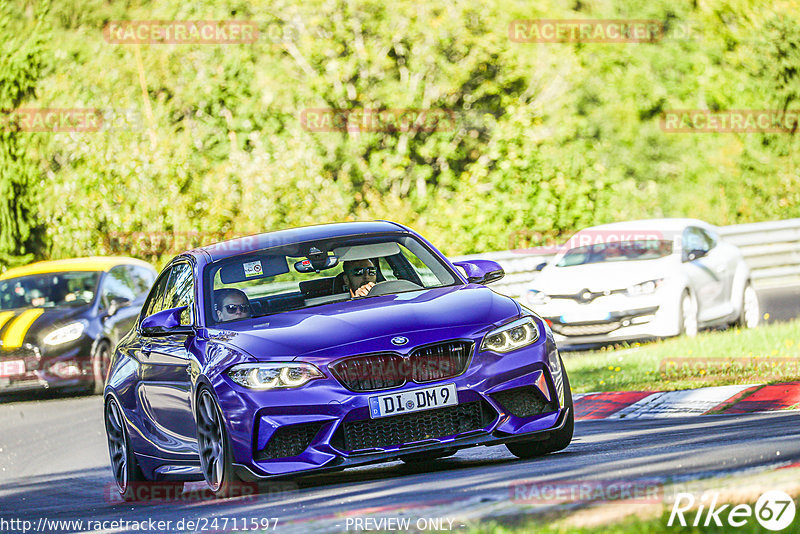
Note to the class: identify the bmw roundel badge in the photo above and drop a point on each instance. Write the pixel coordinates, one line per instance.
(399, 340)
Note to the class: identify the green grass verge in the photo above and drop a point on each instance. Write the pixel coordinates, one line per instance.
(633, 518)
(632, 526)
(770, 353)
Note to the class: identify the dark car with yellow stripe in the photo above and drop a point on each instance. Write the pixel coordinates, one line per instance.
(59, 320)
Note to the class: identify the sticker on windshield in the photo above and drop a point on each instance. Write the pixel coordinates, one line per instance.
(253, 268)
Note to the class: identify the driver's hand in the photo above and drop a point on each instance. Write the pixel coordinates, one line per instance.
(364, 290)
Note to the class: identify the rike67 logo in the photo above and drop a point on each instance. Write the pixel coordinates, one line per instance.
(774, 510)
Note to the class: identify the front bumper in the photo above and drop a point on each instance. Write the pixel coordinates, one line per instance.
(624, 325)
(612, 318)
(247, 473)
(60, 367)
(500, 399)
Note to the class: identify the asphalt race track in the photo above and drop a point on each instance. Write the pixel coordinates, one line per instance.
(54, 466)
(780, 302)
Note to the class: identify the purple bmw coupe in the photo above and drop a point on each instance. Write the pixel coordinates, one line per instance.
(326, 347)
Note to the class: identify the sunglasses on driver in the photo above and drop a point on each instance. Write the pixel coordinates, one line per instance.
(233, 308)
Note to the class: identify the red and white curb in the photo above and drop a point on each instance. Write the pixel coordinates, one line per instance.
(735, 399)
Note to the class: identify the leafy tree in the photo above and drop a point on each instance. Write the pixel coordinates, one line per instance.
(21, 64)
(548, 137)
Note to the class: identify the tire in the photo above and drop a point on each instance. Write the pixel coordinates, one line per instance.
(421, 457)
(687, 315)
(100, 360)
(127, 473)
(214, 446)
(750, 314)
(559, 440)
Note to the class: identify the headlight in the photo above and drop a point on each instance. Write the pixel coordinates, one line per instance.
(512, 336)
(645, 288)
(65, 334)
(273, 375)
(537, 298)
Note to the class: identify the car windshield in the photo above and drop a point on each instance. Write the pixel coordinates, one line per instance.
(303, 275)
(616, 251)
(50, 290)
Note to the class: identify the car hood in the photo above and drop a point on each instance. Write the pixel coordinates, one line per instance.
(601, 276)
(367, 325)
(48, 319)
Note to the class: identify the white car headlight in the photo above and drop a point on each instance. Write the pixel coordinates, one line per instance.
(512, 336)
(65, 334)
(645, 288)
(273, 375)
(536, 297)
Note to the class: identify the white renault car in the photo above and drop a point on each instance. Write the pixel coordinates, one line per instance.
(643, 279)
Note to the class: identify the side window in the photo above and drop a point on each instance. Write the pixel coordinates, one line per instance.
(180, 291)
(117, 285)
(386, 269)
(154, 301)
(695, 239)
(142, 279)
(709, 237)
(423, 271)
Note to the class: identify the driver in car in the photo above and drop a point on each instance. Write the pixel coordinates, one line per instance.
(359, 277)
(231, 304)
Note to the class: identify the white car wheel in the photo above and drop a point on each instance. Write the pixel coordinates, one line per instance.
(751, 311)
(688, 316)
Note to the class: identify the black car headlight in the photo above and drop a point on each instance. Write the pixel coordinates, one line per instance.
(67, 333)
(645, 288)
(513, 336)
(273, 375)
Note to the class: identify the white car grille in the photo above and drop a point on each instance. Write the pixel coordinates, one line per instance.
(586, 329)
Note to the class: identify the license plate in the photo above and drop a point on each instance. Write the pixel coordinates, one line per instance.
(12, 368)
(582, 316)
(413, 400)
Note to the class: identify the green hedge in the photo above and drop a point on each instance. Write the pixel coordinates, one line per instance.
(548, 137)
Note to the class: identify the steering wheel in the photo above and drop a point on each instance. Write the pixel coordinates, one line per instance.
(387, 287)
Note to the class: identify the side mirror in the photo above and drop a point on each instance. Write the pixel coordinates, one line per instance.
(481, 271)
(116, 304)
(166, 323)
(695, 254)
(540, 266)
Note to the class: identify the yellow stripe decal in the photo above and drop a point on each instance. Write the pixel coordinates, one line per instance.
(4, 317)
(19, 327)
